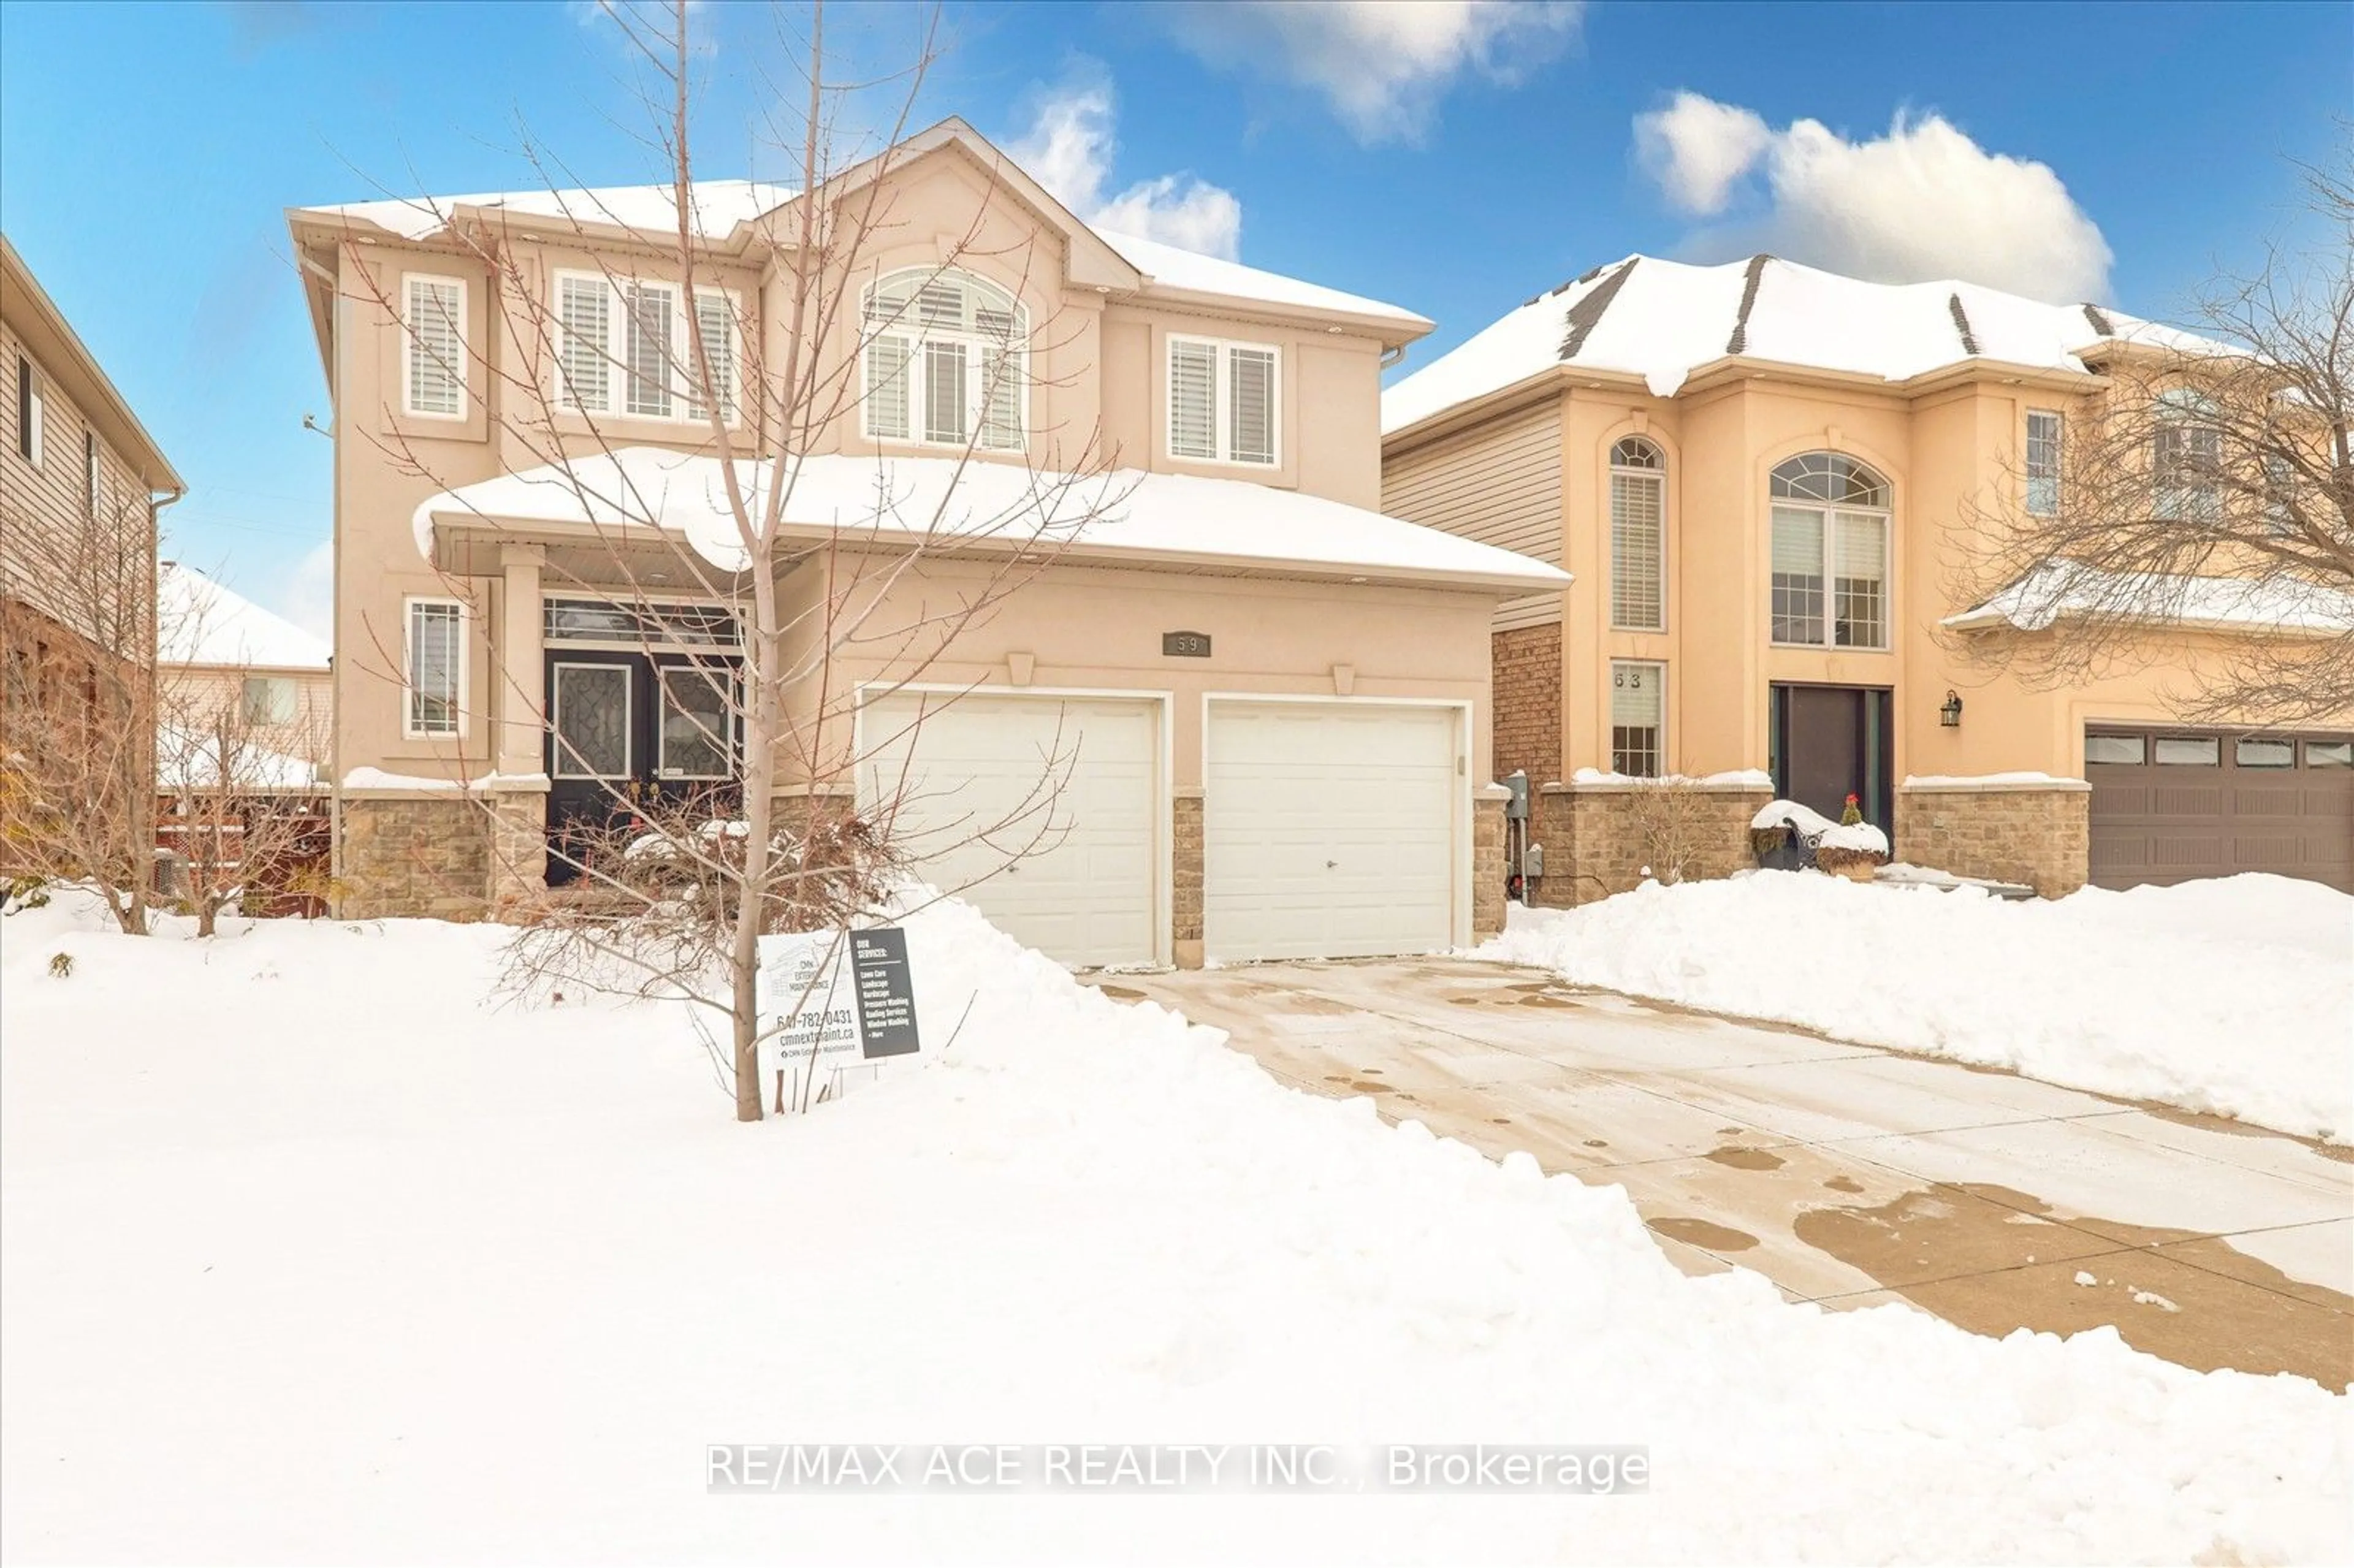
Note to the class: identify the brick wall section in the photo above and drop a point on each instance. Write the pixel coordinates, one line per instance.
(1487, 863)
(515, 851)
(1185, 878)
(417, 856)
(2040, 835)
(1598, 838)
(1527, 702)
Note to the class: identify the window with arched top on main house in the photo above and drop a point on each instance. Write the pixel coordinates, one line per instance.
(1639, 536)
(1830, 523)
(945, 362)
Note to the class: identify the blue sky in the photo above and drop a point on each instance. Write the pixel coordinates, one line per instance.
(1454, 157)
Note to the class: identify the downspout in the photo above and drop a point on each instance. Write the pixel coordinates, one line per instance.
(1393, 354)
(151, 698)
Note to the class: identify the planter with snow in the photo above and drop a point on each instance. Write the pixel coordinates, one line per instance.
(1787, 836)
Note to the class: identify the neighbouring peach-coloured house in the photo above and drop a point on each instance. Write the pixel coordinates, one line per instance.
(1271, 698)
(1761, 477)
(224, 660)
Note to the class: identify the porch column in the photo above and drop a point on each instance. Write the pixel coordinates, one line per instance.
(517, 797)
(520, 701)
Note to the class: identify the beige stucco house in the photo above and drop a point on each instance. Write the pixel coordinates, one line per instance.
(1270, 699)
(1761, 477)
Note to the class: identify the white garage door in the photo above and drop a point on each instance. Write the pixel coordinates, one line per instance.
(1042, 811)
(1327, 831)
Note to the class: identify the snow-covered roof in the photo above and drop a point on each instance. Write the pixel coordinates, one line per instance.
(1664, 320)
(199, 621)
(1128, 515)
(2065, 588)
(719, 206)
(1179, 268)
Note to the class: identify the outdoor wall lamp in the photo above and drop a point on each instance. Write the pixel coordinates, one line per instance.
(1950, 715)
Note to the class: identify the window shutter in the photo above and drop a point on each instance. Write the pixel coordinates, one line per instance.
(1862, 552)
(584, 312)
(940, 303)
(1638, 597)
(1001, 371)
(714, 318)
(1797, 543)
(437, 346)
(434, 653)
(946, 401)
(89, 473)
(1250, 404)
(649, 307)
(1193, 400)
(886, 388)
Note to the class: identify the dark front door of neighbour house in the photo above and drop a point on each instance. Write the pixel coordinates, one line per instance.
(628, 733)
(1829, 742)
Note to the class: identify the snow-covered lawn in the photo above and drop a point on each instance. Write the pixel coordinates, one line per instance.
(2235, 995)
(311, 1255)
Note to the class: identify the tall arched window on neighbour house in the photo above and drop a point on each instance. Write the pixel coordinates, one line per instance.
(945, 362)
(2186, 457)
(1639, 536)
(1831, 521)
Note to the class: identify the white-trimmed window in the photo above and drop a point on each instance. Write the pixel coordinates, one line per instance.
(1225, 401)
(434, 368)
(1829, 572)
(1639, 536)
(2186, 459)
(436, 664)
(625, 346)
(946, 362)
(1639, 718)
(269, 700)
(30, 411)
(2042, 462)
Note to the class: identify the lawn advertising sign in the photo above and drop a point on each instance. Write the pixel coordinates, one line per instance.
(832, 1001)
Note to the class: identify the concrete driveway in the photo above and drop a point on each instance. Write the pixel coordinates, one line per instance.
(1848, 1176)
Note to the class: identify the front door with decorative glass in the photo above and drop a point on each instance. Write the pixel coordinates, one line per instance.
(634, 728)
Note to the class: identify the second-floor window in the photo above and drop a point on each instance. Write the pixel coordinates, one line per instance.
(2042, 462)
(28, 411)
(1829, 549)
(435, 369)
(269, 700)
(945, 360)
(2186, 457)
(1224, 400)
(625, 346)
(1639, 536)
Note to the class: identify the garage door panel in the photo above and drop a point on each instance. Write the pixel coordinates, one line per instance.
(1327, 831)
(2161, 823)
(1042, 813)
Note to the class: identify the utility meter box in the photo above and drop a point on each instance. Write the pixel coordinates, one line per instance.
(1533, 862)
(1517, 807)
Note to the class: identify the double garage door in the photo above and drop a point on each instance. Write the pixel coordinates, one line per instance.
(1329, 830)
(2171, 805)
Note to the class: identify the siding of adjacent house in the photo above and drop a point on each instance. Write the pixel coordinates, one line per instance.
(44, 502)
(1498, 483)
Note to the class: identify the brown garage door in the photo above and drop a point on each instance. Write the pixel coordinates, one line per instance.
(2172, 804)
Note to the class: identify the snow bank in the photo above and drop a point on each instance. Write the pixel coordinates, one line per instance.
(311, 1254)
(2235, 995)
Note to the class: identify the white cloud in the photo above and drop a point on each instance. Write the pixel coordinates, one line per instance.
(1069, 150)
(1922, 202)
(307, 595)
(1382, 64)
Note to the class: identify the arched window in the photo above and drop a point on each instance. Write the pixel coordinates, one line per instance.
(1639, 536)
(2186, 457)
(947, 361)
(1831, 532)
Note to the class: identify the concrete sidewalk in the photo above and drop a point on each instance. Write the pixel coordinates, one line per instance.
(1848, 1175)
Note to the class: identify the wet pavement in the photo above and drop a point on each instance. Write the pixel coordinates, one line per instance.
(1847, 1175)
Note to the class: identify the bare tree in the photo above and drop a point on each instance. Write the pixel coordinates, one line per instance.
(669, 888)
(2209, 486)
(79, 703)
(239, 805)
